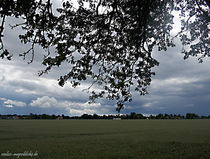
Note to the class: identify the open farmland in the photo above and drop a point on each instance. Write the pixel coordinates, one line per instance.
(106, 139)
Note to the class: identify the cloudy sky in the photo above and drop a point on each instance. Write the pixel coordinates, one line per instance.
(179, 86)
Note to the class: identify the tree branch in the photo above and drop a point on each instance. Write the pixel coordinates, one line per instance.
(1, 30)
(98, 7)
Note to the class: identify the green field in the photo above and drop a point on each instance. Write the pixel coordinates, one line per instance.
(106, 139)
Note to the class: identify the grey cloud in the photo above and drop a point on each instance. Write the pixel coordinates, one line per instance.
(44, 102)
(71, 108)
(15, 103)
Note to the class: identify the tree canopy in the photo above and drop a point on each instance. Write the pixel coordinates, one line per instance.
(108, 41)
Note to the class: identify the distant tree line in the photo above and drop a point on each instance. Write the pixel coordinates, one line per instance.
(132, 115)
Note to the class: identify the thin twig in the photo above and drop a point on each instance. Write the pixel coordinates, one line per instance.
(16, 25)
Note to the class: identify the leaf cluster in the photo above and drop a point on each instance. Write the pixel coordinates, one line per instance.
(109, 42)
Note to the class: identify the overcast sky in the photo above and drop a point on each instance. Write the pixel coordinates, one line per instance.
(179, 86)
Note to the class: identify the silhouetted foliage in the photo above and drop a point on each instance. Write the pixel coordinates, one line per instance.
(108, 41)
(192, 116)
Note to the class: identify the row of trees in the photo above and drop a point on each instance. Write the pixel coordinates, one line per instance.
(132, 115)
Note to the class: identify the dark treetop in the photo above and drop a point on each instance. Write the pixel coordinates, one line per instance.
(108, 41)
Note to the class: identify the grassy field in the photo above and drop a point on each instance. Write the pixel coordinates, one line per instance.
(106, 139)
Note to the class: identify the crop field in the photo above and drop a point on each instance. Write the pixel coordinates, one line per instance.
(105, 139)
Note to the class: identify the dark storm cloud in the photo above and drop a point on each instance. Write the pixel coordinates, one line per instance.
(179, 86)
